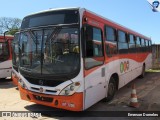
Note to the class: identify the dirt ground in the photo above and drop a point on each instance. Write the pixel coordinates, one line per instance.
(148, 92)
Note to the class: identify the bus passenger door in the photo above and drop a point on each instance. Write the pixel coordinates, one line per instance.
(94, 68)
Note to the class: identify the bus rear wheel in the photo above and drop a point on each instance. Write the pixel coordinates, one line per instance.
(111, 89)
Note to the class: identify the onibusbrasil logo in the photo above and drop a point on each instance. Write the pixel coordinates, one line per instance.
(155, 5)
(124, 66)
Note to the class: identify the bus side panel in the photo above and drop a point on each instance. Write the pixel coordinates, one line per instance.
(95, 81)
(128, 67)
(95, 87)
(5, 69)
(134, 69)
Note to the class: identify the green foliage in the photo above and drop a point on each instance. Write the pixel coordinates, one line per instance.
(12, 31)
(9, 24)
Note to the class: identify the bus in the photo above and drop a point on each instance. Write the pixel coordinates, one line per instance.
(5, 56)
(15, 59)
(71, 58)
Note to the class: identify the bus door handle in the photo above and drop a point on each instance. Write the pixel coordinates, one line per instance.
(103, 72)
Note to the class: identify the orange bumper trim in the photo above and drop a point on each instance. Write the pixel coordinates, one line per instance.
(72, 103)
(15, 80)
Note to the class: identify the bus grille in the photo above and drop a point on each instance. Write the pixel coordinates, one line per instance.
(40, 98)
(43, 82)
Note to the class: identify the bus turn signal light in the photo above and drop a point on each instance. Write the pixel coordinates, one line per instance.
(22, 84)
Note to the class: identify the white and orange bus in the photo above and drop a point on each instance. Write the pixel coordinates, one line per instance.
(15, 59)
(72, 58)
(5, 56)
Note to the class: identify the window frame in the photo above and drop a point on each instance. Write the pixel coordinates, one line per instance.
(115, 41)
(96, 57)
(138, 49)
(105, 31)
(131, 50)
(126, 41)
(142, 42)
(139, 41)
(149, 45)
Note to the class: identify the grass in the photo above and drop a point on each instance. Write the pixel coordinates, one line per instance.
(152, 70)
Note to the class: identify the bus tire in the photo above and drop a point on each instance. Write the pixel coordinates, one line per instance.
(143, 72)
(111, 89)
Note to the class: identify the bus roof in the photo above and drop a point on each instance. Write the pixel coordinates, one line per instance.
(112, 23)
(118, 26)
(56, 9)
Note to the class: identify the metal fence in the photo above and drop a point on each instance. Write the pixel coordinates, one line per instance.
(156, 56)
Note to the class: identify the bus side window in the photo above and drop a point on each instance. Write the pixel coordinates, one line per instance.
(122, 42)
(111, 42)
(146, 46)
(143, 45)
(149, 46)
(132, 44)
(138, 44)
(93, 47)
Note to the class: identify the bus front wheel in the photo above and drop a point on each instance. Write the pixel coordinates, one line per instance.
(111, 89)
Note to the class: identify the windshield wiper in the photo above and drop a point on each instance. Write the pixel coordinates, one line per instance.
(54, 34)
(33, 36)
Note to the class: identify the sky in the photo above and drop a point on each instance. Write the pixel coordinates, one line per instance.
(134, 14)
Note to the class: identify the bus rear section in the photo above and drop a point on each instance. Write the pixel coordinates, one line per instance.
(5, 56)
(69, 59)
(15, 59)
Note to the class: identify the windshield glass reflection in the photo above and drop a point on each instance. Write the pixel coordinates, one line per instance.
(50, 51)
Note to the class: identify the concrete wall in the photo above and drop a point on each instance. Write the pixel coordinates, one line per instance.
(156, 56)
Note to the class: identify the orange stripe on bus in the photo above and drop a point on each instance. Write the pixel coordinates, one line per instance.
(87, 72)
(15, 80)
(140, 57)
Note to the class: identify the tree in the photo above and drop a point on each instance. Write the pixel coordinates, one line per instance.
(9, 24)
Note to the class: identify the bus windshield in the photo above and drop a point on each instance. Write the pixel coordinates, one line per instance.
(53, 50)
(15, 50)
(4, 51)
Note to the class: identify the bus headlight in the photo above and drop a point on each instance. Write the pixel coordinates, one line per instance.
(22, 84)
(70, 89)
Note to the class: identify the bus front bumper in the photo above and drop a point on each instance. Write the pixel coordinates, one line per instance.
(72, 103)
